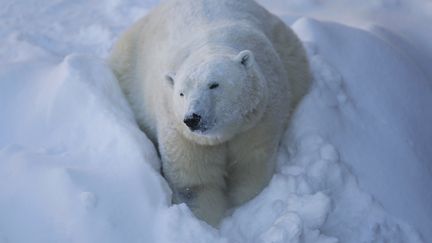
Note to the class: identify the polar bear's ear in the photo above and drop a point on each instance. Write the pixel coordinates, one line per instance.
(169, 77)
(245, 57)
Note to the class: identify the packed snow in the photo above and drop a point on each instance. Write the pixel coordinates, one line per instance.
(354, 166)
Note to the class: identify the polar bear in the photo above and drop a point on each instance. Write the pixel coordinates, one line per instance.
(212, 83)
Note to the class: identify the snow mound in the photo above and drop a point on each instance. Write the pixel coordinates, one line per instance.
(378, 116)
(74, 167)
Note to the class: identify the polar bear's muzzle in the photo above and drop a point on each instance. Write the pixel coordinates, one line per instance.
(196, 122)
(193, 121)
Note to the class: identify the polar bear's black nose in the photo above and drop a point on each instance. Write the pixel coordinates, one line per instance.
(192, 121)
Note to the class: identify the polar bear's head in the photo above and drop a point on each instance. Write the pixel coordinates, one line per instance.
(217, 96)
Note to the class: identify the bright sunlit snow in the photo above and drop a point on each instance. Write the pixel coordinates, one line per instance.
(354, 166)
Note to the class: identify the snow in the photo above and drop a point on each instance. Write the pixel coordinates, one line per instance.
(355, 165)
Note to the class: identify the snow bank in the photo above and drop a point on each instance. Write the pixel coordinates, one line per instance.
(380, 121)
(72, 161)
(74, 167)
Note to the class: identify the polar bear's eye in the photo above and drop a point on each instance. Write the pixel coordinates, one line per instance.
(181, 94)
(213, 86)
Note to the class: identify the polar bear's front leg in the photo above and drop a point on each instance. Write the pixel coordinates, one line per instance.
(196, 174)
(252, 159)
(208, 202)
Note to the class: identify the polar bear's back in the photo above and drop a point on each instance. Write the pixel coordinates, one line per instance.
(186, 19)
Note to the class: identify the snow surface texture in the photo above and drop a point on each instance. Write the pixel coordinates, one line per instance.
(355, 166)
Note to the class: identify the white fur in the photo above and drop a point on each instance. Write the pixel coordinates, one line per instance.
(183, 46)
